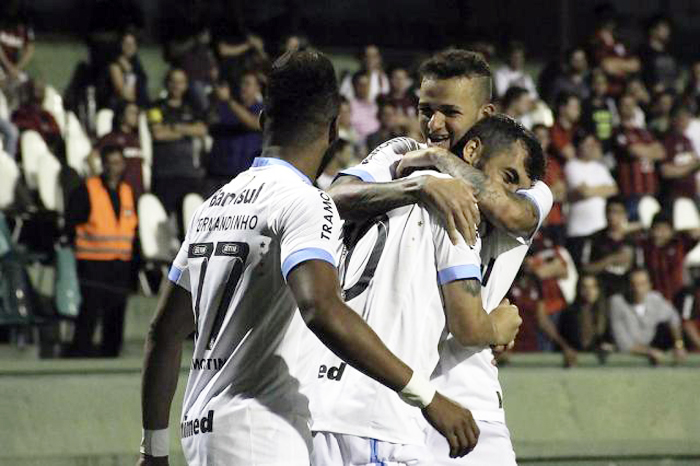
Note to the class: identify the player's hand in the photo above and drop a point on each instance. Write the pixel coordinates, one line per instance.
(455, 202)
(570, 357)
(148, 460)
(506, 322)
(454, 422)
(420, 158)
(656, 356)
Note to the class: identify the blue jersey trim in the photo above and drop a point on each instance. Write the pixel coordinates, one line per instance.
(303, 255)
(266, 161)
(174, 274)
(459, 272)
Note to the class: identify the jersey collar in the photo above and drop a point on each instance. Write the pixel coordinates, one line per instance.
(265, 161)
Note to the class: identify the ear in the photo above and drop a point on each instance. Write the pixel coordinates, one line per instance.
(472, 151)
(333, 131)
(487, 110)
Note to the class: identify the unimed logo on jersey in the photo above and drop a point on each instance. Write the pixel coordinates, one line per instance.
(197, 426)
(331, 373)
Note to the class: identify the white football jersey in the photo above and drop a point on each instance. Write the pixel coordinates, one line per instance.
(240, 246)
(391, 270)
(467, 374)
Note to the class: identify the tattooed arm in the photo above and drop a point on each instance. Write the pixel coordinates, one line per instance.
(469, 323)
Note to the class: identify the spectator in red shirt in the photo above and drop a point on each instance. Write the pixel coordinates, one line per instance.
(664, 255)
(525, 294)
(609, 254)
(31, 115)
(125, 135)
(611, 55)
(554, 178)
(688, 304)
(637, 152)
(400, 94)
(568, 113)
(679, 168)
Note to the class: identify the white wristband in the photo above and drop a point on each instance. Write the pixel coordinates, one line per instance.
(418, 391)
(155, 442)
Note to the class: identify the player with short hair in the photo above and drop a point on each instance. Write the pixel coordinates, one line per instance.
(397, 276)
(261, 245)
(453, 98)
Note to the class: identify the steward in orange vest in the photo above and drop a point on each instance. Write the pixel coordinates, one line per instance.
(103, 216)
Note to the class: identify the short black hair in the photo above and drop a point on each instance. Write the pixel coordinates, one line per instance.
(459, 63)
(356, 76)
(513, 94)
(657, 19)
(563, 98)
(497, 133)
(662, 217)
(110, 149)
(302, 97)
(616, 199)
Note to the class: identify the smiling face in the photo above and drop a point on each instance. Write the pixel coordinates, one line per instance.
(448, 108)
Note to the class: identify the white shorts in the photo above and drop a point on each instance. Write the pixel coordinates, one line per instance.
(332, 449)
(494, 447)
(250, 436)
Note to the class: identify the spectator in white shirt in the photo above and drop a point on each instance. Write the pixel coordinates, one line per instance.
(590, 184)
(378, 80)
(514, 74)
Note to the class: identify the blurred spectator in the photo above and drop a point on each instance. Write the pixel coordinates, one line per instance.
(9, 136)
(554, 178)
(611, 55)
(295, 42)
(378, 82)
(568, 113)
(345, 128)
(125, 135)
(590, 183)
(235, 127)
(609, 254)
(389, 126)
(664, 255)
(691, 93)
(102, 212)
(175, 124)
(195, 58)
(31, 115)
(584, 326)
(678, 170)
(688, 303)
(659, 68)
(547, 264)
(513, 73)
(400, 94)
(128, 80)
(660, 113)
(237, 48)
(635, 87)
(16, 50)
(600, 112)
(574, 80)
(518, 103)
(637, 152)
(642, 319)
(525, 293)
(363, 109)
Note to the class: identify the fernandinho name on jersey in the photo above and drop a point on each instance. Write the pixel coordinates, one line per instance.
(230, 222)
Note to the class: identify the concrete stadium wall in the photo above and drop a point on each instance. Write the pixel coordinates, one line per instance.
(87, 413)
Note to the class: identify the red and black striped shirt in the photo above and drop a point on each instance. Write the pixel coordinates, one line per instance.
(636, 176)
(665, 264)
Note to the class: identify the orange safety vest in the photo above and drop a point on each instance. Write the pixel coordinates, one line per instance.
(104, 237)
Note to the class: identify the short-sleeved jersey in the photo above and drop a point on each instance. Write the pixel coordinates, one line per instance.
(391, 270)
(466, 374)
(241, 245)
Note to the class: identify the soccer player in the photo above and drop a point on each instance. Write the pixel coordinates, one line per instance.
(455, 93)
(260, 246)
(394, 276)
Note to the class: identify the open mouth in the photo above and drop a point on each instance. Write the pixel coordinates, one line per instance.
(440, 141)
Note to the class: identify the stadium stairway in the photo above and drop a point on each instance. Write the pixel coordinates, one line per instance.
(87, 413)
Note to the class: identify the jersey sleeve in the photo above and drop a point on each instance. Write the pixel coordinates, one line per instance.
(308, 227)
(179, 273)
(380, 165)
(454, 262)
(541, 197)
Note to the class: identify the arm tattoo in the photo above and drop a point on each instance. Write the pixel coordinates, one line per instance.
(472, 286)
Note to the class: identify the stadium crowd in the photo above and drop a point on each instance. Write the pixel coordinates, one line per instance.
(614, 268)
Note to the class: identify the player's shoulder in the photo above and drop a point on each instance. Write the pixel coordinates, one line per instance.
(394, 147)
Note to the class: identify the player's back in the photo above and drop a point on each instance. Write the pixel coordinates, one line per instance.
(389, 273)
(240, 245)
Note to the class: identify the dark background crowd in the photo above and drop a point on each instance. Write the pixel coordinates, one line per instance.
(614, 267)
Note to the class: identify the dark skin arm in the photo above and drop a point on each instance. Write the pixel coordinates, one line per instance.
(453, 200)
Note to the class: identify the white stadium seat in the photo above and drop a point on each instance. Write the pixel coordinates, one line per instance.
(156, 237)
(568, 285)
(33, 146)
(145, 139)
(78, 145)
(189, 205)
(104, 122)
(685, 214)
(648, 207)
(49, 187)
(9, 175)
(53, 103)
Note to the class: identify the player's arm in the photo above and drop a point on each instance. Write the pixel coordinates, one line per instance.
(314, 284)
(172, 323)
(470, 324)
(514, 213)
